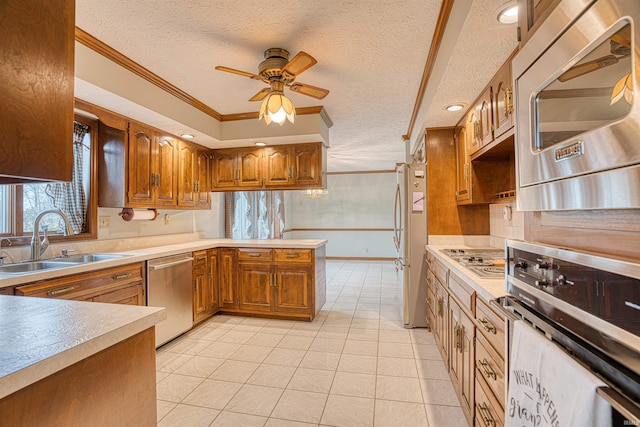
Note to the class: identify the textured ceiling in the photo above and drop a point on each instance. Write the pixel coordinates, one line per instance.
(371, 55)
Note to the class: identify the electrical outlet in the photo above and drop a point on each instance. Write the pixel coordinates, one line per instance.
(104, 222)
(167, 219)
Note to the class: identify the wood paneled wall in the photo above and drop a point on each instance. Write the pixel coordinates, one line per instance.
(444, 216)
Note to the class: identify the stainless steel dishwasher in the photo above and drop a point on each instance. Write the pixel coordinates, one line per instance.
(169, 286)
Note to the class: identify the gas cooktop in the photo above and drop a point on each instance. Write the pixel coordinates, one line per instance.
(486, 263)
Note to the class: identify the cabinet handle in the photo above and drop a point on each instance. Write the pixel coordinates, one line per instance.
(60, 291)
(457, 334)
(603, 285)
(486, 369)
(440, 307)
(293, 255)
(201, 257)
(254, 255)
(508, 95)
(487, 326)
(121, 276)
(466, 171)
(485, 414)
(275, 279)
(195, 285)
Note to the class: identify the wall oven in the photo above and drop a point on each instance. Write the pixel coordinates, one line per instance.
(587, 304)
(577, 116)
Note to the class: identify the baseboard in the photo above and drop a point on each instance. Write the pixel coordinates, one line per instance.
(349, 258)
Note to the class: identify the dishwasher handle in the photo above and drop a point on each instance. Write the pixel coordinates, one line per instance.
(170, 264)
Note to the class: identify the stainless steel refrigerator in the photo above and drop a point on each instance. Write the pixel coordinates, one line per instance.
(410, 238)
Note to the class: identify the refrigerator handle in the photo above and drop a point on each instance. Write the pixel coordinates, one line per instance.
(397, 238)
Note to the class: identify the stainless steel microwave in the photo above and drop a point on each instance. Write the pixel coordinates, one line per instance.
(577, 111)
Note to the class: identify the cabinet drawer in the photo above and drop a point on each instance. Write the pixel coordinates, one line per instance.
(130, 295)
(292, 255)
(490, 365)
(431, 300)
(462, 291)
(488, 411)
(80, 285)
(491, 326)
(441, 272)
(254, 254)
(429, 258)
(199, 258)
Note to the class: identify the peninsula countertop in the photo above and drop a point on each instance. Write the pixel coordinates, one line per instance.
(144, 254)
(41, 336)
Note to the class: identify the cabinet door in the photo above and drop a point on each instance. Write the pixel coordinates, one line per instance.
(186, 175)
(227, 265)
(166, 162)
(213, 293)
(306, 166)
(255, 283)
(486, 118)
(277, 166)
(249, 168)
(463, 192)
(502, 101)
(293, 288)
(473, 130)
(223, 173)
(200, 277)
(203, 180)
(130, 295)
(140, 166)
(441, 330)
(462, 356)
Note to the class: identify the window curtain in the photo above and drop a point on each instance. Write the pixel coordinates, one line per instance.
(254, 215)
(69, 196)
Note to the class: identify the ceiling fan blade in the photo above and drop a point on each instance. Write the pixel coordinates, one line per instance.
(587, 67)
(260, 95)
(242, 73)
(316, 92)
(301, 62)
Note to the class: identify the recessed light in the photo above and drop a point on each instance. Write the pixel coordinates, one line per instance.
(508, 13)
(455, 107)
(260, 143)
(187, 135)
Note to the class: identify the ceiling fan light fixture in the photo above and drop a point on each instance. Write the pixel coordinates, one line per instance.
(277, 108)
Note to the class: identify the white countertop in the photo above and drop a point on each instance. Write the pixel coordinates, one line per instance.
(41, 336)
(145, 254)
(487, 289)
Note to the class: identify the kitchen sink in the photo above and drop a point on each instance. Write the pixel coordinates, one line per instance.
(83, 259)
(30, 267)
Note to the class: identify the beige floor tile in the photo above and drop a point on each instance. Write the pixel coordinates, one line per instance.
(393, 349)
(272, 375)
(394, 414)
(432, 369)
(295, 342)
(316, 380)
(234, 370)
(438, 392)
(212, 394)
(285, 357)
(255, 400)
(247, 328)
(265, 340)
(234, 419)
(333, 332)
(359, 334)
(209, 334)
(427, 351)
(327, 344)
(302, 332)
(251, 353)
(220, 350)
(398, 388)
(397, 367)
(187, 345)
(395, 336)
(445, 416)
(161, 375)
(275, 422)
(237, 337)
(352, 384)
(200, 366)
(358, 363)
(176, 387)
(254, 321)
(185, 415)
(421, 336)
(320, 360)
(169, 362)
(305, 406)
(348, 411)
(163, 408)
(363, 348)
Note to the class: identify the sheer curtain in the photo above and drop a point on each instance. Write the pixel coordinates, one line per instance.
(69, 196)
(254, 215)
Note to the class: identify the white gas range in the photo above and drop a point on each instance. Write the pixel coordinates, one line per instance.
(486, 263)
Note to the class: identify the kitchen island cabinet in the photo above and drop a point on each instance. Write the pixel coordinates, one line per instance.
(71, 362)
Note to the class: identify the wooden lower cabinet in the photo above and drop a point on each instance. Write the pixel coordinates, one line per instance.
(462, 356)
(121, 285)
(205, 284)
(279, 283)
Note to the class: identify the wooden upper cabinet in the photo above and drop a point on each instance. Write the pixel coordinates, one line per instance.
(36, 82)
(186, 174)
(462, 162)
(531, 13)
(503, 100)
(283, 167)
(203, 179)
(166, 161)
(485, 110)
(472, 123)
(141, 165)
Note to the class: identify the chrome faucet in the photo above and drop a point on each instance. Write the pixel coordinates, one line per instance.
(38, 247)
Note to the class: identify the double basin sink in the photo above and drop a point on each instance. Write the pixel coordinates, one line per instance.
(34, 266)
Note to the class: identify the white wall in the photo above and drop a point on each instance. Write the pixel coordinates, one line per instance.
(355, 201)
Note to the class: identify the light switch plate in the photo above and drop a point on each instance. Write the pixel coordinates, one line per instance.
(506, 213)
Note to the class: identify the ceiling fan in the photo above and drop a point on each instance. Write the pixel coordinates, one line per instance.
(278, 72)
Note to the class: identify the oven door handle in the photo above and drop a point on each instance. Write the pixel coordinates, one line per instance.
(620, 403)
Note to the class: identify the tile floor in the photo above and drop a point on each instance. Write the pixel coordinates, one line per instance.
(354, 365)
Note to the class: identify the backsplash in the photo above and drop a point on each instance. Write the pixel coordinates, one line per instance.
(502, 227)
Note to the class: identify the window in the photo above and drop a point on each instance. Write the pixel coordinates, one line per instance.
(254, 214)
(20, 204)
